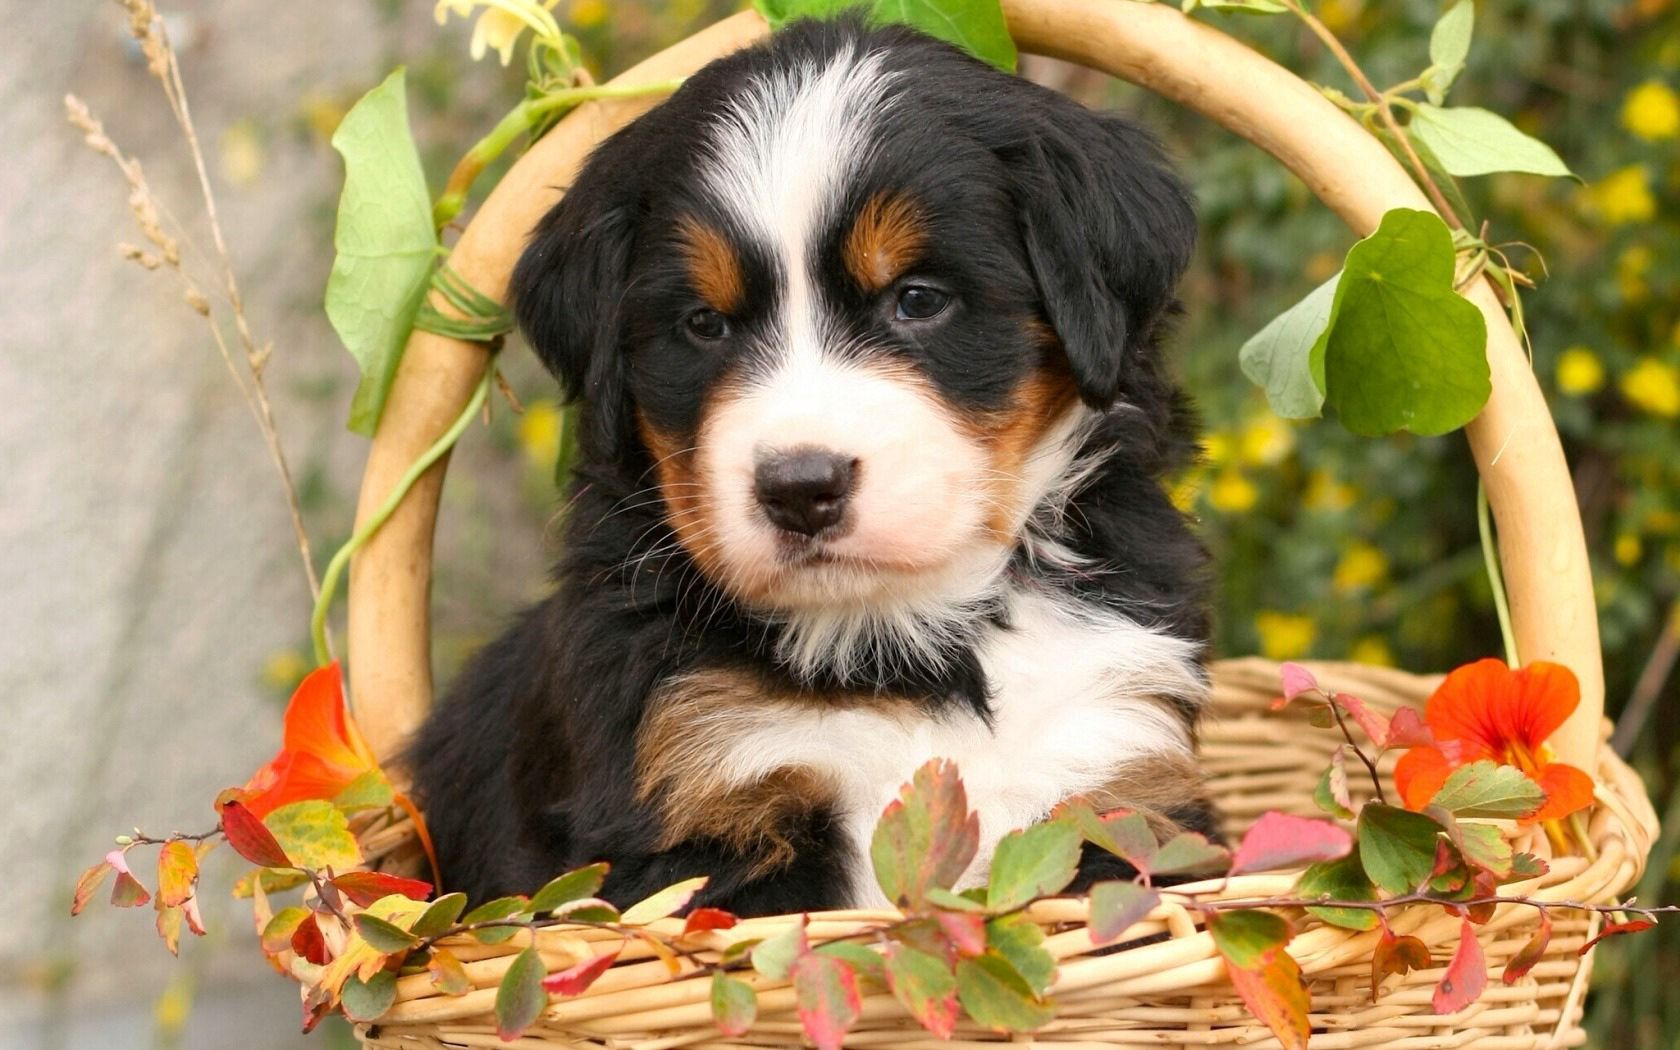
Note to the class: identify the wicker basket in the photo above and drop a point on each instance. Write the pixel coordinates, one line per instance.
(1171, 992)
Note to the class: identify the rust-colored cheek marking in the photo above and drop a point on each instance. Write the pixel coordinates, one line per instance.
(884, 242)
(1040, 401)
(713, 266)
(681, 486)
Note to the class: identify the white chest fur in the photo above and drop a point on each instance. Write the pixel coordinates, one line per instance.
(1075, 692)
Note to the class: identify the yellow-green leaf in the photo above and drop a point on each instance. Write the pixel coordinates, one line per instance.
(384, 240)
(315, 835)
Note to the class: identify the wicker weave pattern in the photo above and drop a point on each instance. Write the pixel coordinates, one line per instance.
(1168, 993)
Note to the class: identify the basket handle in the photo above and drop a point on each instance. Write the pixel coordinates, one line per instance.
(1513, 440)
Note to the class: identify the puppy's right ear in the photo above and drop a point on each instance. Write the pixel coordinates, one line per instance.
(567, 291)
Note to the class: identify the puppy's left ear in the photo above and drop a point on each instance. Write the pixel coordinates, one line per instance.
(1109, 228)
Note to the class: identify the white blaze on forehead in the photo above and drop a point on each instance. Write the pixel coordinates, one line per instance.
(781, 156)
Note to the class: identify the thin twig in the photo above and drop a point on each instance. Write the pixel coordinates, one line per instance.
(149, 30)
(1649, 688)
(1376, 778)
(1384, 114)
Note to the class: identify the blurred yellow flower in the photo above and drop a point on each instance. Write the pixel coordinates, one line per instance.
(243, 153)
(1652, 111)
(539, 432)
(1361, 567)
(1265, 441)
(1339, 16)
(1186, 489)
(1284, 636)
(1372, 650)
(283, 669)
(1579, 371)
(1629, 549)
(1324, 492)
(501, 22)
(1624, 196)
(587, 14)
(1232, 492)
(1631, 267)
(1653, 386)
(1662, 522)
(1216, 448)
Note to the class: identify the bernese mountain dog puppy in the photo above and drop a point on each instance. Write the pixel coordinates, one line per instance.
(864, 336)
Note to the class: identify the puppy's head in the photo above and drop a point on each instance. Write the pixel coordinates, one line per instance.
(848, 298)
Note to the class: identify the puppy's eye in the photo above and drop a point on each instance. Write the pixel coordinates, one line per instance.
(708, 325)
(919, 302)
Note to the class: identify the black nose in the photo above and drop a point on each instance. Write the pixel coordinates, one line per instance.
(805, 490)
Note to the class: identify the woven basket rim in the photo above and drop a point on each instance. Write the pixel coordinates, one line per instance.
(1179, 977)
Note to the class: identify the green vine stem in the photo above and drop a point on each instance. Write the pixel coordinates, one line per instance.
(1384, 113)
(335, 568)
(519, 120)
(1496, 577)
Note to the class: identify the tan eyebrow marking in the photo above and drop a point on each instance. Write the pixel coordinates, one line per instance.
(884, 242)
(713, 266)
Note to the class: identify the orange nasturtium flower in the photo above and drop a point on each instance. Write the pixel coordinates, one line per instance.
(321, 754)
(1485, 710)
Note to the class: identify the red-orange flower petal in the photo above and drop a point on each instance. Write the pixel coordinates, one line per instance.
(1567, 790)
(321, 751)
(317, 724)
(1419, 775)
(1489, 707)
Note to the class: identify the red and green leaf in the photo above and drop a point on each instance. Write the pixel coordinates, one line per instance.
(966, 930)
(827, 998)
(1036, 862)
(1466, 975)
(1530, 953)
(1123, 833)
(1190, 852)
(368, 1000)
(734, 1004)
(1395, 954)
(88, 884)
(575, 980)
(998, 997)
(775, 955)
(1021, 941)
(494, 911)
(127, 891)
(382, 935)
(447, 974)
(1396, 847)
(1332, 795)
(926, 837)
(702, 919)
(308, 942)
(440, 915)
(1265, 975)
(665, 903)
(1277, 841)
(926, 986)
(1616, 929)
(1342, 880)
(365, 887)
(1488, 789)
(574, 885)
(520, 998)
(278, 932)
(1116, 907)
(177, 868)
(251, 839)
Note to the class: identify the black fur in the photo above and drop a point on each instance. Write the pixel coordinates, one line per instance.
(1041, 211)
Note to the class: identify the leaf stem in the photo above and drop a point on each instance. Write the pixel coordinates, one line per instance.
(1496, 578)
(1370, 766)
(335, 568)
(1419, 170)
